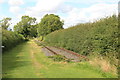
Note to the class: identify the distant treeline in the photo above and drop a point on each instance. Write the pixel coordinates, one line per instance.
(100, 37)
(28, 28)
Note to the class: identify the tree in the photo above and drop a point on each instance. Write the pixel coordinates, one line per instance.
(48, 24)
(33, 30)
(4, 23)
(25, 26)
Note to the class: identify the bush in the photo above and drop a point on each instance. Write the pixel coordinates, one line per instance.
(98, 37)
(10, 39)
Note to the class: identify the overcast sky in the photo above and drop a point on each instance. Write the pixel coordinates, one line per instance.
(71, 11)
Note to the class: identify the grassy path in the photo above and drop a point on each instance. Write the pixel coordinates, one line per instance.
(28, 61)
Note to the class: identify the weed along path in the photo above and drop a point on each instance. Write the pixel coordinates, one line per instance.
(28, 61)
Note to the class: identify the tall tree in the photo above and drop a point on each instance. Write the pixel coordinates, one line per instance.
(33, 30)
(25, 25)
(4, 23)
(48, 24)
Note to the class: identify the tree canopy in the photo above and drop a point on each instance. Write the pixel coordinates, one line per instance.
(48, 24)
(4, 23)
(26, 26)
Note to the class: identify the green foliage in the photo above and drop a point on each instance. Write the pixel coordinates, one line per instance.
(99, 37)
(33, 31)
(48, 24)
(39, 43)
(19, 63)
(40, 38)
(4, 23)
(10, 39)
(26, 27)
(58, 57)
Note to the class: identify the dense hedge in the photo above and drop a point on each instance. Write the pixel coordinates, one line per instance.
(10, 39)
(100, 37)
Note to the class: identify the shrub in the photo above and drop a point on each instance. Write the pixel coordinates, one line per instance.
(100, 37)
(10, 39)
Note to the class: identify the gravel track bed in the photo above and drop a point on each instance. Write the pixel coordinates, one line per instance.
(61, 52)
(47, 52)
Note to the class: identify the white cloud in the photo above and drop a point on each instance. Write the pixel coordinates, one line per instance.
(97, 10)
(75, 15)
(101, 10)
(15, 2)
(89, 14)
(2, 1)
(15, 9)
(43, 6)
(119, 7)
(15, 6)
(92, 1)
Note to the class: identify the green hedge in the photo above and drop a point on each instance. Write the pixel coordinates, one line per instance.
(100, 37)
(10, 39)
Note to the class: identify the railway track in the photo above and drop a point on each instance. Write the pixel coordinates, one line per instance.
(61, 51)
(73, 53)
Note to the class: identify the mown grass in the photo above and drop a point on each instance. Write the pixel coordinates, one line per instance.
(18, 63)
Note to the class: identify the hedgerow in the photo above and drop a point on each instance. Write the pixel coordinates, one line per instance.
(10, 39)
(100, 37)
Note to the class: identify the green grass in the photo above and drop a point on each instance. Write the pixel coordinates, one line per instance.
(17, 63)
(69, 70)
(20, 63)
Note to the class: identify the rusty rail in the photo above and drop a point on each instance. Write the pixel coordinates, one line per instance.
(51, 50)
(47, 48)
(71, 52)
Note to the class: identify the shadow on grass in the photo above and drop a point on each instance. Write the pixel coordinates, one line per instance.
(12, 60)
